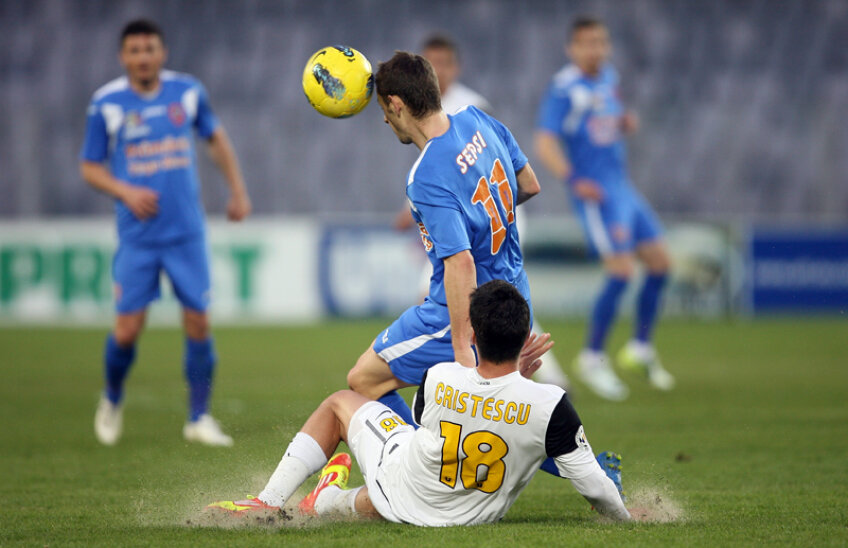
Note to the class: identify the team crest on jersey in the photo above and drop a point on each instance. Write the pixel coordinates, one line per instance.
(134, 126)
(176, 114)
(580, 438)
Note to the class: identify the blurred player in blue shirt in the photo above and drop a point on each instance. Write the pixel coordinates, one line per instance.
(580, 139)
(462, 190)
(139, 149)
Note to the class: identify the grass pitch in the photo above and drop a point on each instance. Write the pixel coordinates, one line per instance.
(750, 449)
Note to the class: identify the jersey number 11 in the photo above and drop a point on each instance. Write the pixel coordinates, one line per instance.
(483, 195)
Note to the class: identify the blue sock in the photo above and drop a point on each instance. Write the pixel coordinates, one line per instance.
(648, 305)
(603, 314)
(398, 405)
(117, 362)
(199, 366)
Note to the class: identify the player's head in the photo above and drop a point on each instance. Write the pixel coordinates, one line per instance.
(443, 54)
(589, 44)
(407, 91)
(500, 318)
(142, 51)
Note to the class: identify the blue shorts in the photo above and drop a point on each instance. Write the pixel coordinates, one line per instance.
(421, 338)
(619, 223)
(136, 268)
(416, 341)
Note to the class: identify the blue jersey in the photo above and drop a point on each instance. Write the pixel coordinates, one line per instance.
(149, 142)
(585, 113)
(462, 191)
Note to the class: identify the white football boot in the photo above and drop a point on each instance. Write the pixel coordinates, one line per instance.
(207, 431)
(108, 421)
(642, 358)
(594, 369)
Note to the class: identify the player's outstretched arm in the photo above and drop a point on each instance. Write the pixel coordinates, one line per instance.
(550, 153)
(222, 153)
(591, 481)
(142, 202)
(528, 184)
(460, 281)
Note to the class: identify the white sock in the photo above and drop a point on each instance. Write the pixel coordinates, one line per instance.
(303, 457)
(337, 501)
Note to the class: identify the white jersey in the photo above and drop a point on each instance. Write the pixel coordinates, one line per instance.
(480, 442)
(458, 95)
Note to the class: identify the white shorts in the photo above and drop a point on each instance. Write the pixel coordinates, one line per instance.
(376, 435)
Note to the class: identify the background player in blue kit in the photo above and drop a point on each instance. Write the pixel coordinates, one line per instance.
(462, 190)
(139, 149)
(580, 140)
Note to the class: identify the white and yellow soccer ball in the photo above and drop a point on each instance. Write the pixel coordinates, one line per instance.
(337, 81)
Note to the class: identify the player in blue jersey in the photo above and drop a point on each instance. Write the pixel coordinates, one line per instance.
(580, 139)
(139, 149)
(462, 190)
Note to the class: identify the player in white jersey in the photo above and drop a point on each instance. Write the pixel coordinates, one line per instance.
(484, 432)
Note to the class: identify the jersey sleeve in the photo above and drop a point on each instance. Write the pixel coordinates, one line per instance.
(563, 429)
(206, 121)
(442, 216)
(516, 155)
(555, 107)
(418, 401)
(95, 147)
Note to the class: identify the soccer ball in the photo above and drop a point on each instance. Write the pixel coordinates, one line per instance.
(337, 81)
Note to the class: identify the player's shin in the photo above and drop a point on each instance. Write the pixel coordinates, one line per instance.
(303, 457)
(199, 368)
(604, 312)
(648, 305)
(117, 362)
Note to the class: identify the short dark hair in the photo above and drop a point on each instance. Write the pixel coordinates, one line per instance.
(141, 26)
(440, 41)
(500, 318)
(412, 78)
(584, 22)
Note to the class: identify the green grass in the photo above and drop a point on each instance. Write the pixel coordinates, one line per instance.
(751, 448)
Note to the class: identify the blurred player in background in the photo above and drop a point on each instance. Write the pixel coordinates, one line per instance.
(462, 190)
(580, 139)
(443, 54)
(504, 424)
(139, 149)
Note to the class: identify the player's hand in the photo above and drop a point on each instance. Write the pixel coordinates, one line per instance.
(404, 220)
(629, 122)
(589, 190)
(238, 207)
(534, 348)
(142, 202)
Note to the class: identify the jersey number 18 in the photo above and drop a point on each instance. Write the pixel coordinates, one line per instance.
(483, 466)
